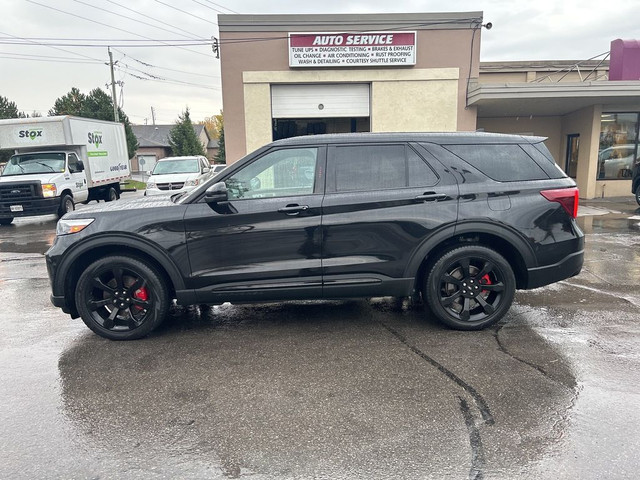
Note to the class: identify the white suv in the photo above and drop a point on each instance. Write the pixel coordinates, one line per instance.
(177, 174)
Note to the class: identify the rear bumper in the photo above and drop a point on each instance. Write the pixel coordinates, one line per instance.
(568, 267)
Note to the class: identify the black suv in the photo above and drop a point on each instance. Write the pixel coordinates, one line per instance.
(461, 219)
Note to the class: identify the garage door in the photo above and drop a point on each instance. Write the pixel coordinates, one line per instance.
(320, 101)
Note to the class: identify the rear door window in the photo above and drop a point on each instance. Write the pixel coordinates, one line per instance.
(378, 167)
(504, 163)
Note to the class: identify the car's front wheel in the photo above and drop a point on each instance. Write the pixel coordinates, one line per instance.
(122, 298)
(638, 194)
(470, 287)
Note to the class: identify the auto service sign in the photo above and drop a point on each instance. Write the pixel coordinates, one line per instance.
(371, 49)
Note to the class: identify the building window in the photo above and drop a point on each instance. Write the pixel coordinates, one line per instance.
(618, 145)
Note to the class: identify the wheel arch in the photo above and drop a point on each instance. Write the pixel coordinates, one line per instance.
(82, 255)
(515, 249)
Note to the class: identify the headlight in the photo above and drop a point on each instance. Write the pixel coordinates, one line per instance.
(151, 185)
(191, 183)
(49, 190)
(65, 227)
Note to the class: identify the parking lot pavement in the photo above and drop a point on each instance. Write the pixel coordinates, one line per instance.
(328, 389)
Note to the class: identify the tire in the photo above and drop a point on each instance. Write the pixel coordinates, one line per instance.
(6, 221)
(122, 298)
(66, 205)
(111, 195)
(638, 194)
(470, 287)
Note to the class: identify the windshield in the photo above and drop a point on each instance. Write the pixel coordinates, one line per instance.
(176, 166)
(28, 163)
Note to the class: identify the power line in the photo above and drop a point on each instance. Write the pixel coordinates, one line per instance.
(165, 68)
(78, 61)
(186, 13)
(130, 18)
(104, 24)
(221, 6)
(50, 57)
(151, 18)
(34, 42)
(162, 80)
(207, 6)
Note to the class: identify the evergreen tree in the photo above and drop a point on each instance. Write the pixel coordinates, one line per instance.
(221, 156)
(69, 104)
(8, 109)
(183, 139)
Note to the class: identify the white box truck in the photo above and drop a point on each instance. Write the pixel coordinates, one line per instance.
(58, 162)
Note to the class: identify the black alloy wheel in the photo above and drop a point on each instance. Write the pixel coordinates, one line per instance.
(122, 298)
(638, 194)
(470, 287)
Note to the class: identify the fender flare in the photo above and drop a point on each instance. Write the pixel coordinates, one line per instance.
(448, 232)
(124, 240)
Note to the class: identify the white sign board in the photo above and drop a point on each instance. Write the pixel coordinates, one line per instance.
(371, 49)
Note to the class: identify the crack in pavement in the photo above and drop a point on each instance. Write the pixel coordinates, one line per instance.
(477, 451)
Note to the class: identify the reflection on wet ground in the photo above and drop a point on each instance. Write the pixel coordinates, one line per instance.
(321, 390)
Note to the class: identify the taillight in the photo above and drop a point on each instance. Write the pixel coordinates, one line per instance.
(567, 197)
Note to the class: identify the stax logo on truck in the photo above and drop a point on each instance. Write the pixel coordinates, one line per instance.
(31, 134)
(94, 138)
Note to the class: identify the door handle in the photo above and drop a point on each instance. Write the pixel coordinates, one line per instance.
(293, 209)
(430, 197)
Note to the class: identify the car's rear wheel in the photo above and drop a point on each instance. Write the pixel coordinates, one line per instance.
(638, 194)
(122, 298)
(470, 287)
(111, 195)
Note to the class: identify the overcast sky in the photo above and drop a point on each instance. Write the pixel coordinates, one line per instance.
(190, 76)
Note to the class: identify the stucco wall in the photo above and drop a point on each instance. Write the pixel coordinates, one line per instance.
(586, 123)
(401, 99)
(550, 127)
(436, 49)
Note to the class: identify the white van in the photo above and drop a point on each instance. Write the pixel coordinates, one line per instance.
(177, 174)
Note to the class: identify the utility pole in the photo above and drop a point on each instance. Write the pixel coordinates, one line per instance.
(113, 87)
(153, 116)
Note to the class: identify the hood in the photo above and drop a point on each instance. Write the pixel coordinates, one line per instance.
(173, 177)
(160, 201)
(41, 177)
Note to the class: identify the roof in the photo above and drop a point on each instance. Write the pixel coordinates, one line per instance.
(443, 138)
(213, 143)
(559, 98)
(158, 135)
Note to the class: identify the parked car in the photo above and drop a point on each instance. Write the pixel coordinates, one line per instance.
(616, 161)
(460, 219)
(178, 174)
(217, 168)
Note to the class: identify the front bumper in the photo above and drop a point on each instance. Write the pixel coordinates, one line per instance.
(30, 207)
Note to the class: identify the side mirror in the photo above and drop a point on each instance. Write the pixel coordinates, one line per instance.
(78, 167)
(206, 170)
(216, 193)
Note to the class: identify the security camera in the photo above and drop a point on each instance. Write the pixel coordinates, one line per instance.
(488, 25)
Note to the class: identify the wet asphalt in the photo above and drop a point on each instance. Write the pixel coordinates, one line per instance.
(330, 390)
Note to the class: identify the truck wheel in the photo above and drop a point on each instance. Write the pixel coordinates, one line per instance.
(6, 221)
(66, 205)
(470, 287)
(111, 195)
(122, 298)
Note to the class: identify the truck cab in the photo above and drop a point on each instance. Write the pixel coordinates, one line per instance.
(58, 162)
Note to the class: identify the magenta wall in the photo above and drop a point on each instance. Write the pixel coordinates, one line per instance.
(625, 60)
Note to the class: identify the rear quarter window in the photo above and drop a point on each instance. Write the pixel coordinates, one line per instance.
(504, 163)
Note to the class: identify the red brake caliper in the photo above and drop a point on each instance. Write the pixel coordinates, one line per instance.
(485, 281)
(141, 294)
